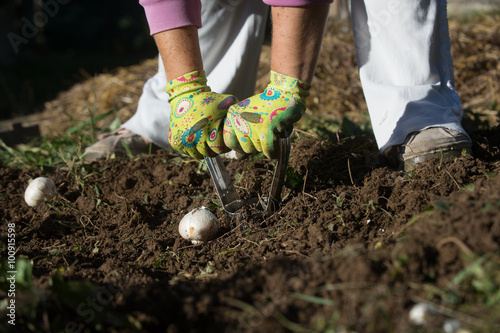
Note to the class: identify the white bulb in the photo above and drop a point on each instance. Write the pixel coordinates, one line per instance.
(198, 226)
(39, 190)
(451, 326)
(417, 314)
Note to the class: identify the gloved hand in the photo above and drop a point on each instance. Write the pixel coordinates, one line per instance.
(256, 124)
(197, 116)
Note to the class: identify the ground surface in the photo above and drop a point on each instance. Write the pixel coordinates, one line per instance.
(354, 247)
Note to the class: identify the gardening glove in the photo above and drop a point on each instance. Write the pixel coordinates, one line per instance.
(256, 124)
(197, 117)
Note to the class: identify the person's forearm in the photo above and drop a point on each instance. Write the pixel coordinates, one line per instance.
(180, 50)
(174, 26)
(296, 41)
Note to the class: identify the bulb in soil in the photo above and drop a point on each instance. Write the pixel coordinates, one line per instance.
(39, 190)
(198, 226)
(417, 314)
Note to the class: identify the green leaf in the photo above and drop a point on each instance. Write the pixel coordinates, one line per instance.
(86, 123)
(442, 205)
(22, 272)
(293, 178)
(115, 124)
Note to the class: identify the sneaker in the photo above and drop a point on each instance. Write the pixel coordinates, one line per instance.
(111, 143)
(430, 143)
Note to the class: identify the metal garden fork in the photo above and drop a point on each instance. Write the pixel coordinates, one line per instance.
(231, 201)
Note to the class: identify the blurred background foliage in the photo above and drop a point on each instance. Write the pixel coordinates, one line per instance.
(73, 40)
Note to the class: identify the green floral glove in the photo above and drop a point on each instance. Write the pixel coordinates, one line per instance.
(256, 124)
(197, 116)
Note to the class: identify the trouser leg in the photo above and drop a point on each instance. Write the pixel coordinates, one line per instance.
(230, 42)
(405, 66)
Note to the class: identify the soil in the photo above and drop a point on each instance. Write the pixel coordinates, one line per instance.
(355, 244)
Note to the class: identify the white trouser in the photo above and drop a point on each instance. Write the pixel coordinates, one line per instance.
(230, 41)
(404, 59)
(405, 66)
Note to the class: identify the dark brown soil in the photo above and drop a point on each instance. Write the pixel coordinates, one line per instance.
(354, 246)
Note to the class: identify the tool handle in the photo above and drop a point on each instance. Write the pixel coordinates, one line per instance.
(279, 173)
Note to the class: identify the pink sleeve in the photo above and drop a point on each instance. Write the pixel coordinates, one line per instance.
(169, 14)
(296, 3)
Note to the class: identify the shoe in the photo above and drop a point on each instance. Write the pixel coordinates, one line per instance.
(430, 143)
(111, 143)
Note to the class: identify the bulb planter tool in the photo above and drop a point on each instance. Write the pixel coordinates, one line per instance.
(231, 201)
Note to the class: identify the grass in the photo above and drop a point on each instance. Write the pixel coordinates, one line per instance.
(42, 153)
(47, 153)
(472, 297)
